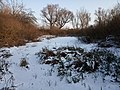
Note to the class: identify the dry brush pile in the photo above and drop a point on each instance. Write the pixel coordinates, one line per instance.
(73, 63)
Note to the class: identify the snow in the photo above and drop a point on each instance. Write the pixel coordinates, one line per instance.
(40, 77)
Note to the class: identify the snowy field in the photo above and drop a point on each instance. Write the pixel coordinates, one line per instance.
(38, 77)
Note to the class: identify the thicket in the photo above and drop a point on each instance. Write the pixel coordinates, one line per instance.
(107, 23)
(17, 24)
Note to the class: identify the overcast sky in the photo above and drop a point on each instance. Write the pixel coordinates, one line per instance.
(73, 5)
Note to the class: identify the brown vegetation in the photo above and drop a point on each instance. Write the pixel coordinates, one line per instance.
(106, 23)
(59, 32)
(14, 30)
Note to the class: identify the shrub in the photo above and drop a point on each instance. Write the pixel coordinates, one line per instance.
(3, 63)
(14, 32)
(4, 70)
(24, 63)
(16, 26)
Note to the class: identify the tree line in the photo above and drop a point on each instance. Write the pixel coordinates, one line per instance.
(55, 16)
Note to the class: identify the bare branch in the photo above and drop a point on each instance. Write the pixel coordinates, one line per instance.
(64, 16)
(49, 13)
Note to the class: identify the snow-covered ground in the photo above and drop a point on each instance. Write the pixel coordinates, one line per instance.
(39, 77)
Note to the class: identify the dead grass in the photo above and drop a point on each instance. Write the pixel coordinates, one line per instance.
(14, 32)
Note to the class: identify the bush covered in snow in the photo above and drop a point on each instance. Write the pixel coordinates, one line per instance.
(72, 63)
(4, 71)
(24, 63)
(3, 63)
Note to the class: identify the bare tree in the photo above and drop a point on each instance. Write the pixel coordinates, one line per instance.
(85, 18)
(13, 7)
(17, 9)
(16, 6)
(1, 4)
(102, 16)
(63, 16)
(49, 14)
(81, 19)
(55, 16)
(27, 16)
(115, 11)
(76, 21)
